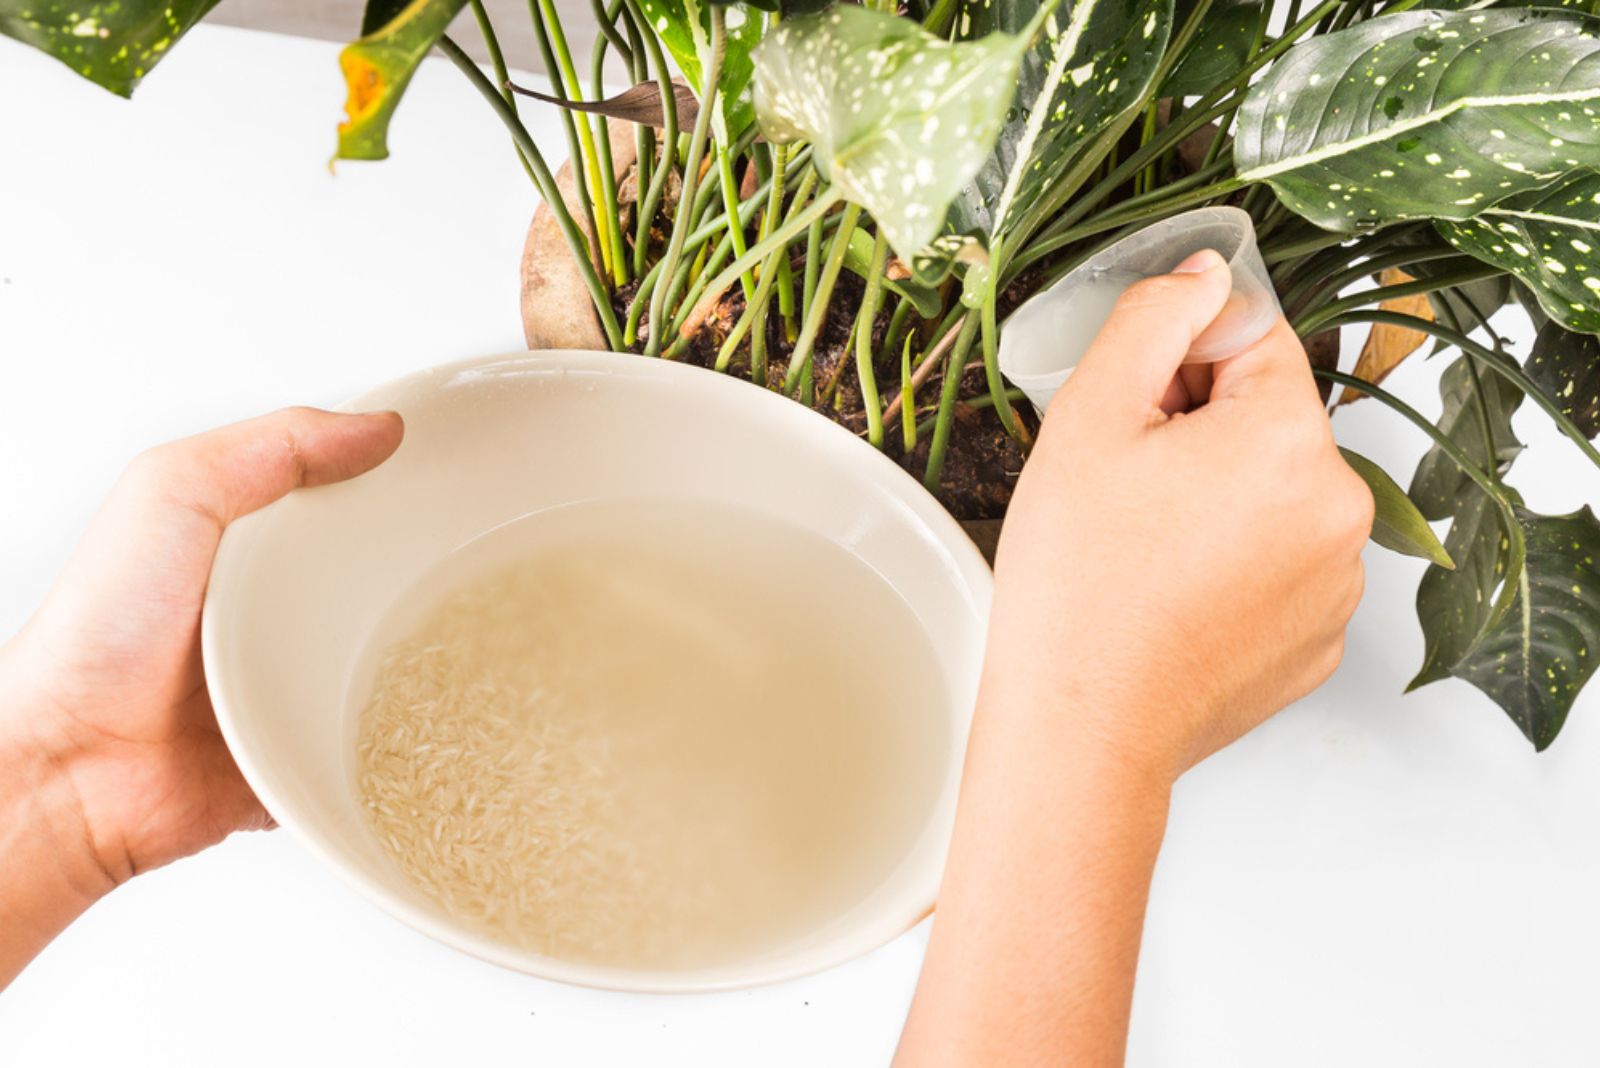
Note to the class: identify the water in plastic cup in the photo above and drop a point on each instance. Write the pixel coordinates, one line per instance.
(1043, 340)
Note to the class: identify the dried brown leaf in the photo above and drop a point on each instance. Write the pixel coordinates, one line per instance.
(1388, 345)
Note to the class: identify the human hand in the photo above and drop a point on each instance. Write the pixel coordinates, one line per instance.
(1182, 553)
(1179, 561)
(107, 735)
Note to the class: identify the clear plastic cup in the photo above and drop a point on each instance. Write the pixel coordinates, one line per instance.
(1043, 340)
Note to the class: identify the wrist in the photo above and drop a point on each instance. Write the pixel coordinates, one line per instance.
(50, 871)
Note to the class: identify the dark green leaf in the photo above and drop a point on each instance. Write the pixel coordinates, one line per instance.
(1424, 114)
(1396, 523)
(1534, 658)
(675, 23)
(897, 118)
(378, 67)
(1566, 366)
(113, 44)
(1219, 51)
(1438, 483)
(1093, 61)
(1550, 239)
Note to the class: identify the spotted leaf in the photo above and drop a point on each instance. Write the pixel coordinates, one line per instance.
(1549, 238)
(1093, 61)
(1535, 656)
(113, 44)
(1424, 114)
(378, 67)
(1438, 484)
(1219, 50)
(898, 119)
(675, 23)
(1566, 366)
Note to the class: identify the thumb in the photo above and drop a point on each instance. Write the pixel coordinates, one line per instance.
(1137, 353)
(156, 534)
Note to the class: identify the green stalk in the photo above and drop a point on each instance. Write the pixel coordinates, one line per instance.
(569, 125)
(991, 368)
(908, 401)
(779, 238)
(547, 24)
(1116, 218)
(1501, 366)
(864, 321)
(1334, 282)
(577, 244)
(897, 324)
(651, 204)
(691, 178)
(817, 309)
(1307, 323)
(1012, 396)
(813, 265)
(730, 208)
(947, 403)
(608, 168)
(502, 75)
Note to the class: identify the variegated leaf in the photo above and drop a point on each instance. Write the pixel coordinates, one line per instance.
(897, 118)
(1438, 483)
(1566, 366)
(1550, 239)
(1093, 61)
(1424, 114)
(113, 44)
(1219, 51)
(674, 23)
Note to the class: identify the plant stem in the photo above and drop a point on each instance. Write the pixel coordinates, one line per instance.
(1335, 281)
(608, 169)
(730, 207)
(497, 60)
(756, 310)
(991, 367)
(651, 203)
(1011, 396)
(864, 322)
(577, 244)
(947, 403)
(580, 146)
(691, 177)
(1502, 366)
(817, 310)
(908, 401)
(930, 359)
(779, 238)
(1307, 323)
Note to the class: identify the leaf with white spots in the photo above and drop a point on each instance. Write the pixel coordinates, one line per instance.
(1092, 62)
(378, 67)
(1549, 238)
(113, 44)
(1566, 366)
(898, 119)
(1533, 658)
(1479, 421)
(673, 23)
(1218, 51)
(1424, 114)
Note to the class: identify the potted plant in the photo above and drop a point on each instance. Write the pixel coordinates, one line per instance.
(844, 203)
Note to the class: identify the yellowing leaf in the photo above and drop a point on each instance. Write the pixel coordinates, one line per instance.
(378, 67)
(1387, 345)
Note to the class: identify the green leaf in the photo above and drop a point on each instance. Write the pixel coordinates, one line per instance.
(1093, 61)
(674, 22)
(1566, 366)
(858, 261)
(897, 118)
(1534, 658)
(1424, 114)
(1219, 51)
(113, 44)
(1396, 523)
(379, 13)
(1439, 483)
(1550, 239)
(378, 67)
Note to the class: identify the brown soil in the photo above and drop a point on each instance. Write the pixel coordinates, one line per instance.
(982, 461)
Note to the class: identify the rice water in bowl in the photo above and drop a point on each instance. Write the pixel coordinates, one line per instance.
(619, 672)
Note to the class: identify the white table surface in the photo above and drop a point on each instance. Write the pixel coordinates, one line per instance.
(1369, 879)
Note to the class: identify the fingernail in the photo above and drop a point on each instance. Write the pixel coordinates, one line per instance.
(1200, 262)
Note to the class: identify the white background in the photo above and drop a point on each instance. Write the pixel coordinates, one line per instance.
(1369, 879)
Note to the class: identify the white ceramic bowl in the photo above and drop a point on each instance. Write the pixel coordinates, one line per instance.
(298, 588)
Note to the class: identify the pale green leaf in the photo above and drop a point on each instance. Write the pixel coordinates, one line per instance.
(898, 119)
(1424, 114)
(671, 20)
